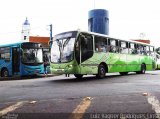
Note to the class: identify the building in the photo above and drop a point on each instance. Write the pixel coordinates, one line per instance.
(40, 39)
(25, 35)
(143, 41)
(25, 31)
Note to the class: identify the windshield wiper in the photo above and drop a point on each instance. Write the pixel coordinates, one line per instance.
(66, 42)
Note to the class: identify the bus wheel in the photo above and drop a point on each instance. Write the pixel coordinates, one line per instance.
(101, 72)
(123, 73)
(78, 76)
(4, 73)
(143, 69)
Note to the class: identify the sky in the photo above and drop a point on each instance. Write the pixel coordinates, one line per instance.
(127, 18)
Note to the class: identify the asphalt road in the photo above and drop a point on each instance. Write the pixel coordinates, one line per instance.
(130, 96)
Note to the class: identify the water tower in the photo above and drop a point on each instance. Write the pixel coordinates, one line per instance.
(98, 21)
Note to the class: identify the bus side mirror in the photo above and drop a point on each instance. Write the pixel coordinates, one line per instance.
(50, 43)
(158, 50)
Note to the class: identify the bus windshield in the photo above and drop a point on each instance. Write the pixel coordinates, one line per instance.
(63, 47)
(30, 55)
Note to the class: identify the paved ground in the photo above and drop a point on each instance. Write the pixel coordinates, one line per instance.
(59, 97)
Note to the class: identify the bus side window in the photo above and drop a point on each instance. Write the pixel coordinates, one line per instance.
(132, 49)
(123, 47)
(100, 44)
(144, 50)
(113, 45)
(99, 48)
(151, 51)
(141, 49)
(147, 50)
(138, 49)
(5, 53)
(108, 49)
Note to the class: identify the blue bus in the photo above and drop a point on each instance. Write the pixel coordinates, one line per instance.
(21, 59)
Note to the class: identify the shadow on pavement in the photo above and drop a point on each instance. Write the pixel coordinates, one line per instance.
(24, 77)
(90, 78)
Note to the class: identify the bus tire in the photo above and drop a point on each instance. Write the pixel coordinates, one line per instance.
(123, 73)
(101, 71)
(79, 76)
(4, 73)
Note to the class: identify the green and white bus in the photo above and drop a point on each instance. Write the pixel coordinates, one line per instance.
(158, 58)
(81, 53)
(158, 62)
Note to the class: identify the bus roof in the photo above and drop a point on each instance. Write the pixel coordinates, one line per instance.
(103, 35)
(14, 44)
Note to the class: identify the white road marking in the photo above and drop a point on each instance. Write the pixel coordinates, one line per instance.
(155, 103)
(12, 108)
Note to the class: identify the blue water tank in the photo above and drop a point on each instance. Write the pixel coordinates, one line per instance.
(98, 21)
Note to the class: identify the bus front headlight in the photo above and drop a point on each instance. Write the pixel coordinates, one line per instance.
(70, 66)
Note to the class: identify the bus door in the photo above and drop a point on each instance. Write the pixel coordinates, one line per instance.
(85, 42)
(15, 60)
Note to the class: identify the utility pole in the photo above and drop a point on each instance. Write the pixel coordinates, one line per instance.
(51, 38)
